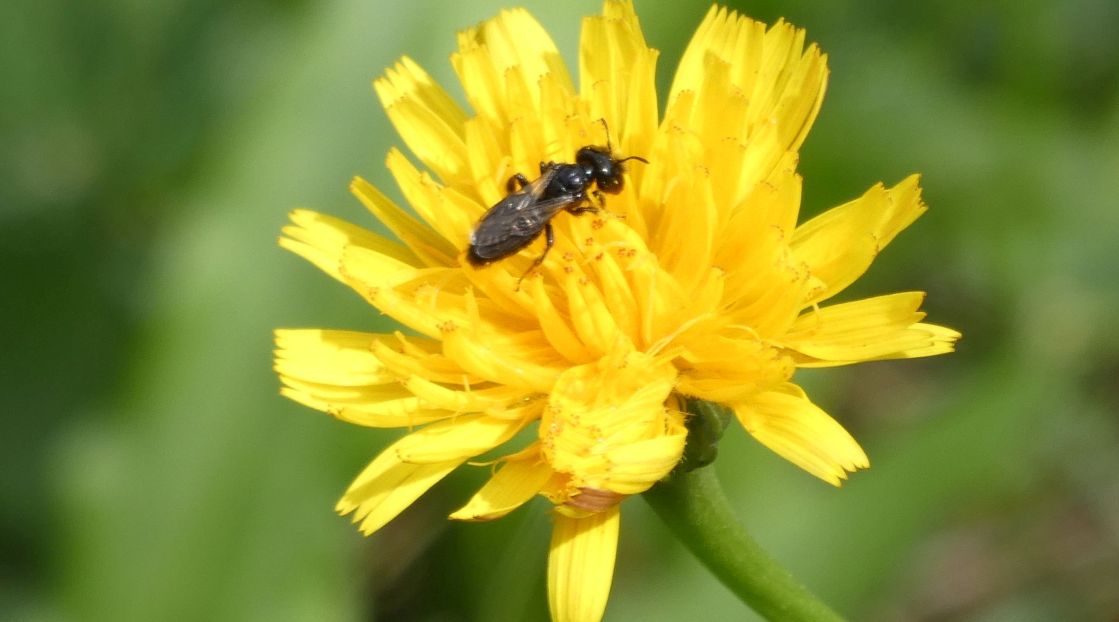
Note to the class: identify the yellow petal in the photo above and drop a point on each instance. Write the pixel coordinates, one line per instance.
(396, 289)
(840, 244)
(757, 91)
(375, 409)
(432, 248)
(942, 340)
(322, 239)
(464, 436)
(379, 406)
(799, 431)
(581, 565)
(446, 210)
(330, 356)
(604, 248)
(411, 465)
(335, 372)
(769, 210)
(557, 325)
(394, 487)
(636, 466)
(607, 268)
(488, 399)
(490, 164)
(514, 483)
(523, 360)
(731, 366)
(686, 236)
(510, 49)
(777, 294)
(590, 318)
(658, 295)
(596, 411)
(372, 267)
(426, 117)
(415, 356)
(871, 329)
(617, 73)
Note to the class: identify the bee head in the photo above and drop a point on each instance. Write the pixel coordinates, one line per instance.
(606, 170)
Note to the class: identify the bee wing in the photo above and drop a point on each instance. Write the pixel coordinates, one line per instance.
(515, 221)
(520, 199)
(536, 187)
(534, 216)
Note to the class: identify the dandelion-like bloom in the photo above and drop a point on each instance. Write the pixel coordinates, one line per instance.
(694, 282)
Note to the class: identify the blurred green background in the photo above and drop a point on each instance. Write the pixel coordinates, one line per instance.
(149, 153)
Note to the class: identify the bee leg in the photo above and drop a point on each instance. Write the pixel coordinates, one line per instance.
(583, 206)
(601, 200)
(589, 208)
(549, 241)
(512, 185)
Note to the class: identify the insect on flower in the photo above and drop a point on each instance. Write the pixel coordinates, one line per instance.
(527, 211)
(708, 290)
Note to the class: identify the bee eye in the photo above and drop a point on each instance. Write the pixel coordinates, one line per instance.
(610, 184)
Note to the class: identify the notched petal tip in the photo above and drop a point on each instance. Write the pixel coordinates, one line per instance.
(799, 431)
(872, 329)
(840, 244)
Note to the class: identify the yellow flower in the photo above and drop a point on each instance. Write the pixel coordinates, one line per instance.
(695, 281)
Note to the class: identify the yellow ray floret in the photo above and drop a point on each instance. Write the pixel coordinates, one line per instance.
(731, 366)
(866, 330)
(322, 239)
(597, 411)
(337, 372)
(840, 244)
(753, 86)
(450, 213)
(330, 356)
(428, 245)
(617, 71)
(501, 61)
(408, 467)
(799, 431)
(415, 356)
(428, 120)
(581, 565)
(521, 477)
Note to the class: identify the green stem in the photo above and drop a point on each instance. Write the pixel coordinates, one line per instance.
(694, 506)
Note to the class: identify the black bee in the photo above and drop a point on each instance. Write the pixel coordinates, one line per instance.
(518, 219)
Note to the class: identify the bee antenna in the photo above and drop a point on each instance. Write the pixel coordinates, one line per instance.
(606, 128)
(638, 158)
